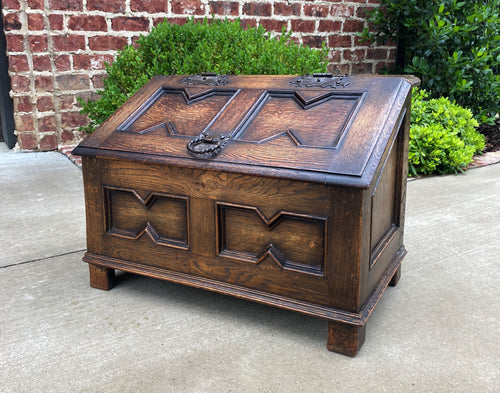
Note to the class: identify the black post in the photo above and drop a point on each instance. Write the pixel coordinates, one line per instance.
(6, 107)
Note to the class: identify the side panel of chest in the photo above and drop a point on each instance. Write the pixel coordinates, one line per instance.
(267, 234)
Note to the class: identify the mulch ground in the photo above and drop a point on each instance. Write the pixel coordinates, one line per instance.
(492, 135)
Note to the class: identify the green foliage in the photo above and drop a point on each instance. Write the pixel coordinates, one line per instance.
(452, 46)
(443, 136)
(219, 46)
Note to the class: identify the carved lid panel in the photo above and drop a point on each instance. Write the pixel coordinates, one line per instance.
(311, 127)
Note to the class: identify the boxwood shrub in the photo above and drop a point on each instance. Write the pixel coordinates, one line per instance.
(215, 45)
(443, 136)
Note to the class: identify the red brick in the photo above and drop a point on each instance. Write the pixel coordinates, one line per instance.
(352, 26)
(116, 6)
(36, 4)
(107, 42)
(381, 66)
(24, 123)
(123, 23)
(224, 7)
(273, 24)
(42, 63)
(188, 7)
(66, 5)
(392, 54)
(45, 103)
(342, 11)
(47, 124)
(38, 43)
(73, 82)
(358, 41)
(44, 83)
(11, 4)
(335, 56)
(376, 54)
(361, 11)
(12, 22)
(150, 6)
(177, 21)
(68, 42)
(15, 43)
(339, 69)
(247, 23)
(318, 11)
(91, 62)
(73, 119)
(303, 26)
(23, 104)
(286, 9)
(257, 9)
(56, 22)
(361, 68)
(62, 63)
(354, 55)
(340, 41)
(98, 81)
(20, 83)
(27, 141)
(330, 26)
(67, 137)
(36, 22)
(65, 102)
(313, 41)
(157, 21)
(48, 142)
(133, 41)
(18, 63)
(87, 23)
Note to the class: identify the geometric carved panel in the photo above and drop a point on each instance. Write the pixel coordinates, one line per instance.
(178, 112)
(292, 241)
(290, 113)
(163, 217)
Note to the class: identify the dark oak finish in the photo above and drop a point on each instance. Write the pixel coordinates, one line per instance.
(287, 193)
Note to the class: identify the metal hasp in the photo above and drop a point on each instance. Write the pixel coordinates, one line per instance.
(323, 80)
(207, 79)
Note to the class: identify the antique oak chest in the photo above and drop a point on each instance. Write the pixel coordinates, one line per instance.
(285, 190)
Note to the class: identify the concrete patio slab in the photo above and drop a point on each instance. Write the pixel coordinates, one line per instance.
(42, 210)
(437, 331)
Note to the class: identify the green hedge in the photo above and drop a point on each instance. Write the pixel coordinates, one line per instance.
(443, 136)
(452, 46)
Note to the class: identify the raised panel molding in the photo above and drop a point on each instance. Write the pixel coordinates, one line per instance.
(162, 217)
(293, 241)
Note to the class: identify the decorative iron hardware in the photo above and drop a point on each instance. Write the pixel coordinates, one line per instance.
(324, 81)
(208, 79)
(207, 145)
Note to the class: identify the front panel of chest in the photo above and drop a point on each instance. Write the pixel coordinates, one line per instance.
(262, 233)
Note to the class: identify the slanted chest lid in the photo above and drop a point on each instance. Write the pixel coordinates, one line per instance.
(319, 128)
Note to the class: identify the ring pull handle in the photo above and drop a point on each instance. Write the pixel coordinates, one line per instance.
(207, 145)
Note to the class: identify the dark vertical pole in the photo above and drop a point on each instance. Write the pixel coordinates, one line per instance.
(6, 108)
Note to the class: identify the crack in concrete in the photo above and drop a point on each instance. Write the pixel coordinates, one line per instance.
(41, 259)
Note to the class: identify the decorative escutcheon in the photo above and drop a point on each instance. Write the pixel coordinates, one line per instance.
(324, 81)
(207, 145)
(207, 79)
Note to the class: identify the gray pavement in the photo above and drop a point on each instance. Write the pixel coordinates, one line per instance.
(437, 331)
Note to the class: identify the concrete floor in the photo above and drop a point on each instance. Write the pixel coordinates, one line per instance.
(437, 331)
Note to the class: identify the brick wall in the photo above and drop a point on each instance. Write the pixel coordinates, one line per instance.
(57, 48)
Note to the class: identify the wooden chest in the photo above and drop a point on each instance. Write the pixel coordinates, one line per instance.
(285, 190)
